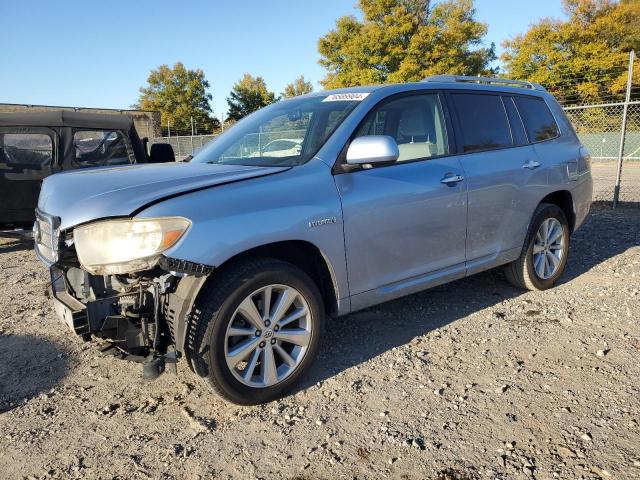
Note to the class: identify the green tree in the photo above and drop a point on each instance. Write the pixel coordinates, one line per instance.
(298, 87)
(404, 40)
(582, 59)
(248, 95)
(179, 94)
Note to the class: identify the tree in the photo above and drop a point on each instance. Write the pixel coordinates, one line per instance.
(404, 40)
(298, 87)
(179, 94)
(582, 59)
(248, 95)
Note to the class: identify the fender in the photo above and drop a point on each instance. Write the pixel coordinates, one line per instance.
(300, 204)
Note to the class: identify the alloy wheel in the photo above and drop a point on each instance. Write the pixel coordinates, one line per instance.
(268, 336)
(548, 248)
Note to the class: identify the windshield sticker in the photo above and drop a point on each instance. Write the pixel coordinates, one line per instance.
(346, 97)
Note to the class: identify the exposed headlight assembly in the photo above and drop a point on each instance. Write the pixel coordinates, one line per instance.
(119, 246)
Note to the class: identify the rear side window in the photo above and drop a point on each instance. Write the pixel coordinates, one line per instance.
(483, 122)
(95, 148)
(33, 150)
(538, 120)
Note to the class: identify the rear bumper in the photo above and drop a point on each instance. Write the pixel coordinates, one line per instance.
(582, 194)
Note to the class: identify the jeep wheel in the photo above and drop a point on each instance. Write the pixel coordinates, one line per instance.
(256, 330)
(544, 255)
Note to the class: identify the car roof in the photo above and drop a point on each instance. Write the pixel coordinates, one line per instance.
(390, 88)
(65, 118)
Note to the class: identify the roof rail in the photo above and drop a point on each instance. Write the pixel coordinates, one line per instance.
(484, 80)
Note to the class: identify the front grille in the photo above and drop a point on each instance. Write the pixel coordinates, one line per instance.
(46, 236)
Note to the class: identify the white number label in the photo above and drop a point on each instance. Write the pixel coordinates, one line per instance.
(346, 97)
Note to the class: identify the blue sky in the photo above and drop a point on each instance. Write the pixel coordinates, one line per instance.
(97, 53)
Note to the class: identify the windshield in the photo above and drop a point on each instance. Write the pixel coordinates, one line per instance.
(286, 133)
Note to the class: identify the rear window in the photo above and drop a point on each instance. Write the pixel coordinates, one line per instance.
(483, 122)
(538, 120)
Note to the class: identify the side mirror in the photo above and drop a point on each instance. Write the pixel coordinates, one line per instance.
(372, 149)
(161, 153)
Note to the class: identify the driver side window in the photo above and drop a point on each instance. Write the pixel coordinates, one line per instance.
(416, 122)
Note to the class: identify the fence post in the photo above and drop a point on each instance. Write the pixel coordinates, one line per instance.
(623, 130)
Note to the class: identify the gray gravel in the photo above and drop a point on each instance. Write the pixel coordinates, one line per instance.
(470, 380)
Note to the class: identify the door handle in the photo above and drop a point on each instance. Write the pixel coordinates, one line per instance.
(452, 179)
(531, 164)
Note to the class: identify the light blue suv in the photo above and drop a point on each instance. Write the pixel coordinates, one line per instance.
(320, 205)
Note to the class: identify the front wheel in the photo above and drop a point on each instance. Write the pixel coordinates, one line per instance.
(256, 330)
(544, 254)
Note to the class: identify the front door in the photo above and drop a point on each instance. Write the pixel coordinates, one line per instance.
(405, 223)
(26, 158)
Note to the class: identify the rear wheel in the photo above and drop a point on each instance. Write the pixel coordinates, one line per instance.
(257, 330)
(544, 254)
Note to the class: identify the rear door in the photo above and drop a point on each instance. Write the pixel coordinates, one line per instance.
(27, 156)
(557, 157)
(404, 223)
(503, 178)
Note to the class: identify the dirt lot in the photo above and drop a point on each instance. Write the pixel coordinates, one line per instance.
(471, 380)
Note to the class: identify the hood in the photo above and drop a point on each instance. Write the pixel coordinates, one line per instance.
(83, 195)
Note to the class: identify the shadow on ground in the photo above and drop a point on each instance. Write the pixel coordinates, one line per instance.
(8, 245)
(29, 365)
(361, 336)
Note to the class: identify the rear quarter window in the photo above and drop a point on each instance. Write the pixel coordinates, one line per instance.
(538, 120)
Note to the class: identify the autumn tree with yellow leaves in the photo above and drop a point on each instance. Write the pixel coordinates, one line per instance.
(582, 59)
(404, 41)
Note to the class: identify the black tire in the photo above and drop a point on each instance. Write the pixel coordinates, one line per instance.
(521, 272)
(214, 309)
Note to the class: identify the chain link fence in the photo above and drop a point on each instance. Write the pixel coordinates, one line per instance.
(184, 145)
(600, 130)
(283, 141)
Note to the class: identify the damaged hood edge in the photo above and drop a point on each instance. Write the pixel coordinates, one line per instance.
(81, 196)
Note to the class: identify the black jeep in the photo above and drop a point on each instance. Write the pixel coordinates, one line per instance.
(34, 145)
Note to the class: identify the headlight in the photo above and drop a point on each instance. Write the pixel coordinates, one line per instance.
(128, 245)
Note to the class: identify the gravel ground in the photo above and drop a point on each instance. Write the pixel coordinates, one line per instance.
(469, 380)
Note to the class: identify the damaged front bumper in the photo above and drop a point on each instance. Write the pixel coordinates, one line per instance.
(142, 317)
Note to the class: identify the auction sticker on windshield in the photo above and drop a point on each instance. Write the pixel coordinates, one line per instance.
(348, 97)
